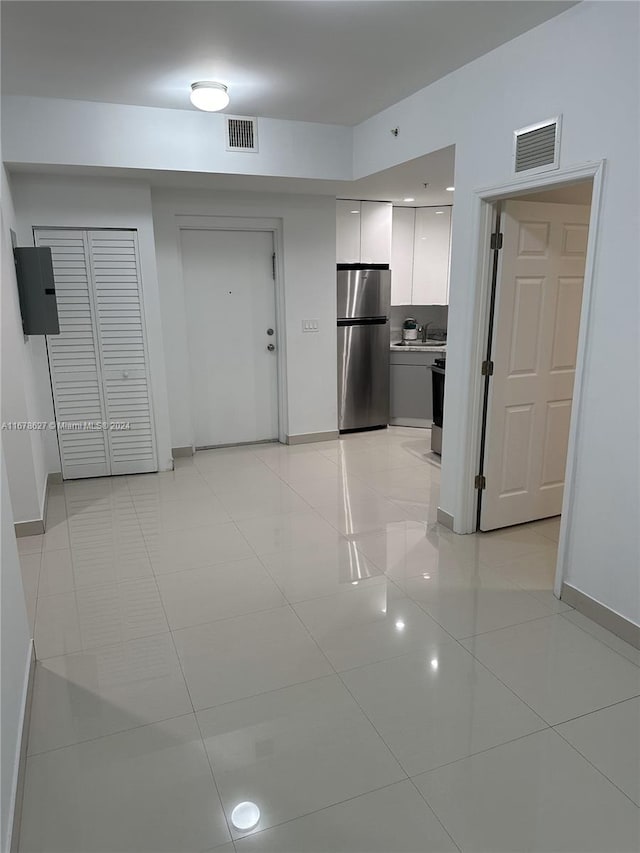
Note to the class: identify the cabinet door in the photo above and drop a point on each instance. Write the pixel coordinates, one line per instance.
(431, 256)
(402, 255)
(375, 232)
(347, 231)
(410, 397)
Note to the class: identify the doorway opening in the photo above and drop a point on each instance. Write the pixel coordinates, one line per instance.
(537, 289)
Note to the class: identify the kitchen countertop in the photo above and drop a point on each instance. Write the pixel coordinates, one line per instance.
(398, 347)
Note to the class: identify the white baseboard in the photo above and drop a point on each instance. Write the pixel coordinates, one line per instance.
(37, 526)
(15, 812)
(29, 528)
(602, 615)
(419, 423)
(178, 452)
(445, 519)
(310, 437)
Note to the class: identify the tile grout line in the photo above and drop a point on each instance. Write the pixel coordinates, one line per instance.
(193, 710)
(597, 710)
(513, 625)
(358, 705)
(435, 814)
(108, 735)
(588, 760)
(326, 808)
(334, 673)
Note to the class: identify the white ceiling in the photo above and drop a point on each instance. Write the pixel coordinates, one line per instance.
(334, 62)
(579, 193)
(395, 184)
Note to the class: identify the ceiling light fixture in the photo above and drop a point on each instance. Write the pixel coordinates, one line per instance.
(450, 189)
(209, 96)
(408, 199)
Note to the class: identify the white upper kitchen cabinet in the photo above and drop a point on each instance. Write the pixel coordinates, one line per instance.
(363, 232)
(431, 256)
(348, 231)
(404, 219)
(375, 232)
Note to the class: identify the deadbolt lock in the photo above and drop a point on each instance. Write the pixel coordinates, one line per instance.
(269, 331)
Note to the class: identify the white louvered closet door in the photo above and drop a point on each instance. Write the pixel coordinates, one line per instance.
(74, 358)
(98, 363)
(120, 321)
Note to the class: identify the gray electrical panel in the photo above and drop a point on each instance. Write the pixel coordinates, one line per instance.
(37, 290)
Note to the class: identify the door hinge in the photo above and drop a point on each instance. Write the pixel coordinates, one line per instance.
(480, 482)
(496, 241)
(487, 368)
(273, 265)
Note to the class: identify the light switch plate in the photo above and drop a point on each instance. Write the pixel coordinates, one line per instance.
(310, 325)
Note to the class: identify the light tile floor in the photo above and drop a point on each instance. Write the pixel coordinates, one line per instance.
(290, 626)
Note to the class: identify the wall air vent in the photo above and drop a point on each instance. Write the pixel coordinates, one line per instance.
(242, 133)
(536, 148)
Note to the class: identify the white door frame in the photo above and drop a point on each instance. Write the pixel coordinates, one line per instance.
(274, 226)
(483, 217)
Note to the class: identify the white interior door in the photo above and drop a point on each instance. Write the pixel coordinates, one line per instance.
(230, 305)
(537, 319)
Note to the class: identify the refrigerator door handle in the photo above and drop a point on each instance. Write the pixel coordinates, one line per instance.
(362, 321)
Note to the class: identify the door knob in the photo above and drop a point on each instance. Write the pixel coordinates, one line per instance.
(269, 331)
(271, 347)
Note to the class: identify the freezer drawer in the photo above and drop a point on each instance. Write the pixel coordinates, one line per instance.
(363, 293)
(363, 375)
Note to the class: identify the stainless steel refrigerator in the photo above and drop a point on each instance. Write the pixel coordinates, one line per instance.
(364, 298)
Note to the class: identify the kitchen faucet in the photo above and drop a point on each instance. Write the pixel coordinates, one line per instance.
(424, 332)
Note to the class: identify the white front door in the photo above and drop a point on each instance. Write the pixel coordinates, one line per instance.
(230, 304)
(537, 319)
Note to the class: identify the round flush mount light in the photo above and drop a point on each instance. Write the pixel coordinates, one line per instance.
(245, 816)
(408, 199)
(209, 96)
(450, 189)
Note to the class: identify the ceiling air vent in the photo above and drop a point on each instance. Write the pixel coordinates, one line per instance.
(537, 147)
(242, 134)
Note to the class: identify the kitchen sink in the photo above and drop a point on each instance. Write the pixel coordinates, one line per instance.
(427, 343)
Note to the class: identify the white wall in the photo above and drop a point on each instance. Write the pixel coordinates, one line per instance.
(49, 130)
(26, 395)
(96, 203)
(308, 264)
(583, 64)
(15, 651)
